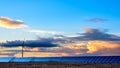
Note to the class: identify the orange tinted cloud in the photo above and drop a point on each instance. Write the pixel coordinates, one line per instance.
(12, 24)
(67, 50)
(71, 49)
(12, 48)
(103, 47)
(32, 49)
(96, 47)
(41, 54)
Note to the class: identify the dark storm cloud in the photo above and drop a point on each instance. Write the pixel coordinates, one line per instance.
(41, 42)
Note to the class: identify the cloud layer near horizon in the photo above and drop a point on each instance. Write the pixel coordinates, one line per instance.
(11, 24)
(41, 42)
(103, 47)
(79, 48)
(91, 42)
(93, 48)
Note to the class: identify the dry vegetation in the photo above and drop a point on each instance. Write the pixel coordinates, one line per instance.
(57, 65)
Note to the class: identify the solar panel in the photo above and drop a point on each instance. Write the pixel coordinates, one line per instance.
(5, 59)
(101, 59)
(67, 59)
(109, 60)
(118, 59)
(21, 60)
(85, 59)
(82, 59)
(105, 59)
(91, 59)
(98, 59)
(42, 59)
(115, 60)
(55, 59)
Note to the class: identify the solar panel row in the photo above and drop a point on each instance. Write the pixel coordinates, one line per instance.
(83, 59)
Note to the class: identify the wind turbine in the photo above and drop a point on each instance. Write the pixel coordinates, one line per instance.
(23, 48)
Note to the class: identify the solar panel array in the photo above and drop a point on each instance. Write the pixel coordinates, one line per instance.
(82, 59)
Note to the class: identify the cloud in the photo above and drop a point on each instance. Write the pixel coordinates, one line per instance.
(95, 34)
(91, 42)
(98, 20)
(69, 49)
(11, 24)
(93, 48)
(6, 53)
(41, 54)
(103, 48)
(41, 42)
(54, 51)
(9, 49)
(45, 32)
(79, 48)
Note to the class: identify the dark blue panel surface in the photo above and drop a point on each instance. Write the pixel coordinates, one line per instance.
(5, 59)
(81, 59)
(21, 60)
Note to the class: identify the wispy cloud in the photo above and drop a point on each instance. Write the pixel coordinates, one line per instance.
(96, 34)
(6, 22)
(98, 20)
(45, 32)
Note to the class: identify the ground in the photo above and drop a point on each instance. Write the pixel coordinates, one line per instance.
(57, 65)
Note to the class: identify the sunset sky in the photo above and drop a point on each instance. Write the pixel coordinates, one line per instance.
(59, 27)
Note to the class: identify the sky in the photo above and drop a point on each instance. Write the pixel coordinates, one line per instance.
(60, 27)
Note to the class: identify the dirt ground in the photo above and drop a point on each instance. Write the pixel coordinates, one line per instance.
(57, 65)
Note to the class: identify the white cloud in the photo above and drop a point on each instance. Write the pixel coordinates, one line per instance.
(45, 32)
